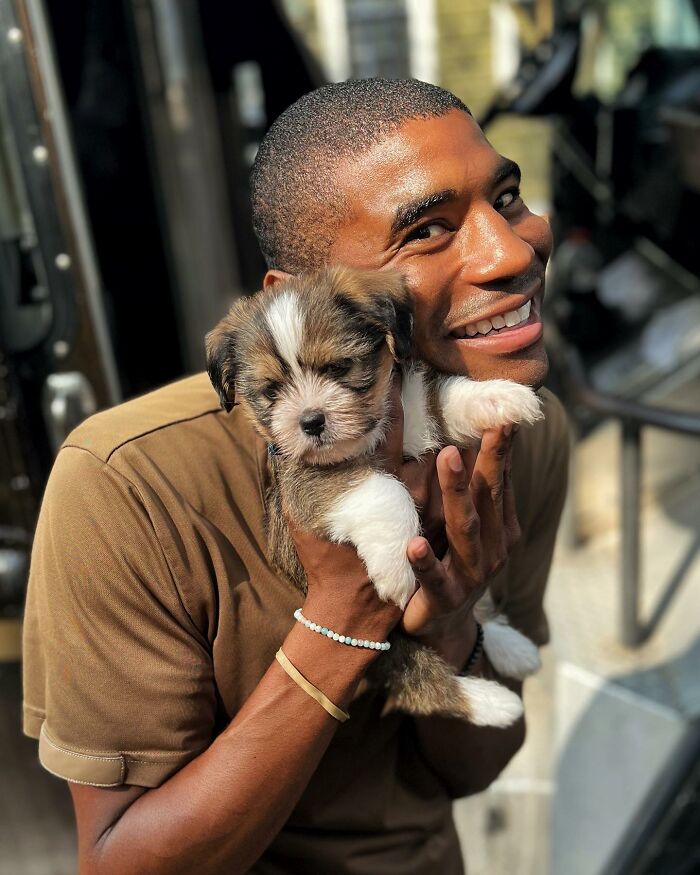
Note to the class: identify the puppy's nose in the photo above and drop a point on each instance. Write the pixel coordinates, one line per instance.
(313, 422)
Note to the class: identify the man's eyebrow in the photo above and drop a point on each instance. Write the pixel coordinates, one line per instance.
(408, 214)
(506, 169)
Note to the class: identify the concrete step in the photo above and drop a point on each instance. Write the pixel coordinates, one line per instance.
(604, 722)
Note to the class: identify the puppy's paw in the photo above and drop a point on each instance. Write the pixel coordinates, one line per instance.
(470, 407)
(504, 402)
(509, 652)
(488, 703)
(379, 517)
(393, 584)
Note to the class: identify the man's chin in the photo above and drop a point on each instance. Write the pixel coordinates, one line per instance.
(528, 372)
(528, 367)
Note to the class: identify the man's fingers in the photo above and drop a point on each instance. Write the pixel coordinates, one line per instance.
(469, 456)
(510, 514)
(488, 493)
(436, 595)
(461, 518)
(487, 479)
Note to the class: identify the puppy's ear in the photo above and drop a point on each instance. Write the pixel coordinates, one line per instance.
(399, 318)
(384, 299)
(221, 362)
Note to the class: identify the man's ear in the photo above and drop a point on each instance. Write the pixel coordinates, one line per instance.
(221, 362)
(276, 276)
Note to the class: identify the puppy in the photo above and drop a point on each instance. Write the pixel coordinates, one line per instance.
(311, 361)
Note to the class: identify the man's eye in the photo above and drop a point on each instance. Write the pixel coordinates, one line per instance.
(335, 370)
(507, 199)
(426, 232)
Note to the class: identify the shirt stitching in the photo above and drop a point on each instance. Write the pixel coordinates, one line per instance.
(116, 757)
(83, 756)
(161, 428)
(86, 783)
(135, 437)
(130, 760)
(40, 711)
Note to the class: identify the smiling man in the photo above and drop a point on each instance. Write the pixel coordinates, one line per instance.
(153, 615)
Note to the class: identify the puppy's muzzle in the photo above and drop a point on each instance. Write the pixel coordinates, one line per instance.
(313, 422)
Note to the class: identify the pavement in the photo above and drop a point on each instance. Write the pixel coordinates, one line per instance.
(603, 719)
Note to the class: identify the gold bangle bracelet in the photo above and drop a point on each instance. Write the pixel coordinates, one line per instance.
(309, 688)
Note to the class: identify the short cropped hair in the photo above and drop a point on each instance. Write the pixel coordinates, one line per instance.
(296, 202)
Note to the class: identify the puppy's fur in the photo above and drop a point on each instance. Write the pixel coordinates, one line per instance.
(311, 362)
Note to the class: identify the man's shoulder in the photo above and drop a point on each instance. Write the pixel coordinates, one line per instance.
(108, 431)
(542, 450)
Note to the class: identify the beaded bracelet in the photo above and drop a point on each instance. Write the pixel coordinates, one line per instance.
(335, 636)
(476, 650)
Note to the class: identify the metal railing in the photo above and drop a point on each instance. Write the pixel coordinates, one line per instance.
(587, 403)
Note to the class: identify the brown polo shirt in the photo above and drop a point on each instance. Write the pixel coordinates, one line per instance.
(152, 614)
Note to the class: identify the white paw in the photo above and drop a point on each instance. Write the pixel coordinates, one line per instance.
(379, 517)
(490, 703)
(509, 652)
(396, 585)
(506, 403)
(470, 407)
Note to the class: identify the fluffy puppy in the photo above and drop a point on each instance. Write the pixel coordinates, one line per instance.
(311, 362)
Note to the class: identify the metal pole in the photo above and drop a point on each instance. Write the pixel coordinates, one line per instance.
(630, 521)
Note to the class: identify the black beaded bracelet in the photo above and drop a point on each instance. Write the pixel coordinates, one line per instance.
(476, 650)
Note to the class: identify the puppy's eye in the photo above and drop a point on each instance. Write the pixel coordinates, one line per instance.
(270, 391)
(335, 370)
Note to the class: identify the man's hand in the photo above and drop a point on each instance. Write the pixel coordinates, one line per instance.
(339, 590)
(469, 519)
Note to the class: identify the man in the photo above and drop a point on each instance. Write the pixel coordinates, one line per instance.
(153, 616)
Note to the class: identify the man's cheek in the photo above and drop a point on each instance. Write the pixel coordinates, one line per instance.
(537, 232)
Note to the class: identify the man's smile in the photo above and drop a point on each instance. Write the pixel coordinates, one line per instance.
(507, 319)
(507, 330)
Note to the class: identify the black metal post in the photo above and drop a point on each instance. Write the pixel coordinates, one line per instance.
(630, 521)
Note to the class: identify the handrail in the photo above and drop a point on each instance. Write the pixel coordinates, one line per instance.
(601, 404)
(634, 416)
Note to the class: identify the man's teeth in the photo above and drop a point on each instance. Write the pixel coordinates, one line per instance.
(483, 326)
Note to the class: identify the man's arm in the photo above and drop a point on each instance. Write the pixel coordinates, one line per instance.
(222, 810)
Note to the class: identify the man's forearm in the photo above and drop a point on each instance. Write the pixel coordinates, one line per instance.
(221, 811)
(465, 757)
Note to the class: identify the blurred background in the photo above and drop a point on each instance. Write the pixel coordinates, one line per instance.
(127, 130)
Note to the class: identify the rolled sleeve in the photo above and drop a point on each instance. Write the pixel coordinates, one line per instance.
(118, 682)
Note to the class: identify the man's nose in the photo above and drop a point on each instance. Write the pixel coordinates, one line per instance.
(496, 251)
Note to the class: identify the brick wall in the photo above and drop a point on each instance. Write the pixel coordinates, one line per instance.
(464, 49)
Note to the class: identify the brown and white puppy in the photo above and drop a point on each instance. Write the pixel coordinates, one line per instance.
(311, 361)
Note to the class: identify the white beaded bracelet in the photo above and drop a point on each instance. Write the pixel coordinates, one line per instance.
(342, 639)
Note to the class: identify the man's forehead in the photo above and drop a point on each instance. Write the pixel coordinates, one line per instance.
(421, 158)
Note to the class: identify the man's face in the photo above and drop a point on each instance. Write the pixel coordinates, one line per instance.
(436, 202)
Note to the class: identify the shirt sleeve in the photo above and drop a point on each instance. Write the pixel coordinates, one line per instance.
(540, 477)
(118, 681)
